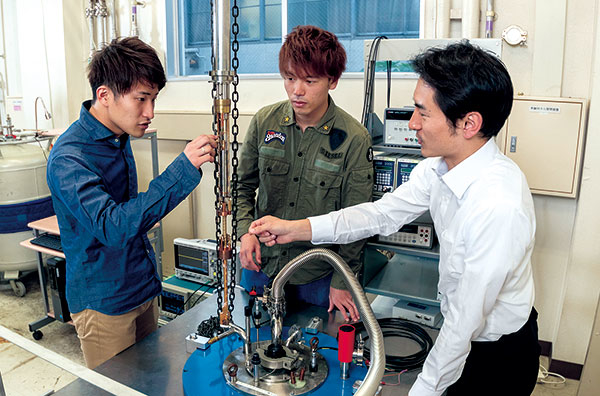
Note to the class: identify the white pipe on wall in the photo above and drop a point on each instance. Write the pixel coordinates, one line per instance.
(442, 19)
(101, 14)
(90, 15)
(3, 81)
(470, 18)
(489, 19)
(134, 23)
(112, 21)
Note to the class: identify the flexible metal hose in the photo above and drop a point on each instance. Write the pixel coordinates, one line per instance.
(377, 367)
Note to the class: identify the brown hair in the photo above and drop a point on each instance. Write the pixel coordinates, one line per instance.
(124, 63)
(309, 50)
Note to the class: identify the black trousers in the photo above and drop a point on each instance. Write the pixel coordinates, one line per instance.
(507, 367)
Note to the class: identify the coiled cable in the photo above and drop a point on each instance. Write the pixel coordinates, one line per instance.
(395, 327)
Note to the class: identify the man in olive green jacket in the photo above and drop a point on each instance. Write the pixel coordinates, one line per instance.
(306, 157)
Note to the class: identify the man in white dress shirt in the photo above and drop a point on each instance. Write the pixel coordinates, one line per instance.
(484, 218)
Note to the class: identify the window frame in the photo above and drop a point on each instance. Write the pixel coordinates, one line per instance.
(174, 46)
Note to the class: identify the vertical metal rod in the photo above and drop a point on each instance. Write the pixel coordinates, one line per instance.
(222, 77)
(222, 37)
(101, 14)
(344, 370)
(155, 171)
(89, 14)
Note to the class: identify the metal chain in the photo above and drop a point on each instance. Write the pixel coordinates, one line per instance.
(216, 187)
(234, 176)
(235, 28)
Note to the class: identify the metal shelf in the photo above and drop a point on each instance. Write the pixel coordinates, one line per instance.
(412, 274)
(406, 276)
(433, 253)
(397, 149)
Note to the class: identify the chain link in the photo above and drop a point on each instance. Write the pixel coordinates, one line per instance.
(234, 177)
(216, 186)
(235, 28)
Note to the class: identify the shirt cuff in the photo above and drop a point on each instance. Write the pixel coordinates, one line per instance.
(242, 227)
(322, 229)
(337, 281)
(419, 388)
(188, 174)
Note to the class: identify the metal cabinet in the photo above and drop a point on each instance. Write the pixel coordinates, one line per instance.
(545, 137)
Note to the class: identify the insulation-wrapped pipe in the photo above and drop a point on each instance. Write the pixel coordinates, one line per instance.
(112, 20)
(442, 19)
(377, 367)
(470, 18)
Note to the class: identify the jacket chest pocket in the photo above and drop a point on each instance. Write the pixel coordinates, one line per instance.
(321, 193)
(273, 184)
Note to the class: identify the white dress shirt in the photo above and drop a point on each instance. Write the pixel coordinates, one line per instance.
(485, 222)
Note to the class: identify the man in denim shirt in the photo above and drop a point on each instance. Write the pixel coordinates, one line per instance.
(111, 280)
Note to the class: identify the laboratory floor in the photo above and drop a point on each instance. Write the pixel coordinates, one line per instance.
(25, 374)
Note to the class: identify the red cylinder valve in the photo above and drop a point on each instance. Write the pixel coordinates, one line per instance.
(346, 343)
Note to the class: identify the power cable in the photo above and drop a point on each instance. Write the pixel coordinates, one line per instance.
(196, 291)
(389, 81)
(395, 327)
(370, 78)
(202, 295)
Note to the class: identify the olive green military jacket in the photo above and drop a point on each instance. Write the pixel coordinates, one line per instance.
(300, 174)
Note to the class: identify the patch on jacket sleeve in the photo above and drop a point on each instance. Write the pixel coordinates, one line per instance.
(336, 138)
(274, 135)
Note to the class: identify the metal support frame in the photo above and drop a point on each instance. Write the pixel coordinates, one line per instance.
(38, 324)
(157, 238)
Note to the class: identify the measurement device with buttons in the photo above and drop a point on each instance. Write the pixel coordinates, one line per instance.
(396, 130)
(385, 173)
(392, 170)
(195, 259)
(413, 234)
(178, 296)
(405, 165)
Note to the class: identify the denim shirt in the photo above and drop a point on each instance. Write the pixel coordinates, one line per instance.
(103, 221)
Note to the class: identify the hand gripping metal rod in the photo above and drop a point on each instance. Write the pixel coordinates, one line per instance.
(376, 370)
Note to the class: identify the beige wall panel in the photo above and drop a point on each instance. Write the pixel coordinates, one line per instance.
(187, 125)
(582, 280)
(579, 49)
(554, 230)
(590, 381)
(544, 136)
(204, 199)
(549, 46)
(178, 223)
(518, 60)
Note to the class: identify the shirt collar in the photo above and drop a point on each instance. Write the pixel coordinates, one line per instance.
(325, 123)
(96, 129)
(459, 178)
